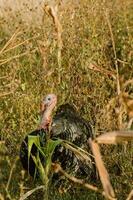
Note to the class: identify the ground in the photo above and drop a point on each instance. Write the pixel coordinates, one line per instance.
(84, 56)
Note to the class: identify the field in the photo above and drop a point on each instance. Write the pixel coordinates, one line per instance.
(83, 52)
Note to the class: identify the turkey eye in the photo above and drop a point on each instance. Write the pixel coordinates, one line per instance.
(49, 98)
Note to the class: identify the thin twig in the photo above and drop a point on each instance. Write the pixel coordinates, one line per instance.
(27, 194)
(130, 81)
(10, 175)
(115, 55)
(52, 11)
(130, 195)
(17, 45)
(17, 56)
(57, 168)
(122, 61)
(82, 154)
(2, 94)
(130, 123)
(103, 71)
(3, 77)
(6, 93)
(10, 40)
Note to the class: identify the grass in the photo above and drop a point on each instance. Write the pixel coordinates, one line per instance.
(89, 70)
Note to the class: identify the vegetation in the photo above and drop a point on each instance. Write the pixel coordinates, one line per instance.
(83, 52)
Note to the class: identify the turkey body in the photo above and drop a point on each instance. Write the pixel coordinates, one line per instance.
(66, 125)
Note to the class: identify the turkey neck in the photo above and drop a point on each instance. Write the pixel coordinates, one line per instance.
(46, 117)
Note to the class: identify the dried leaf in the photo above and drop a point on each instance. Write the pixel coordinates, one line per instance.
(104, 176)
(115, 137)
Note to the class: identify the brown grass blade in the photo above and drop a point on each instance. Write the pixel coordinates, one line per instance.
(19, 44)
(2, 142)
(103, 71)
(130, 81)
(128, 101)
(57, 168)
(114, 49)
(16, 56)
(115, 137)
(8, 93)
(52, 11)
(104, 176)
(27, 194)
(79, 152)
(130, 196)
(17, 32)
(11, 172)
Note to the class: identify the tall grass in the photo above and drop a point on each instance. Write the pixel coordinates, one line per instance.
(93, 69)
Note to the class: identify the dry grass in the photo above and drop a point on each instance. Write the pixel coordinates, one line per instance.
(86, 58)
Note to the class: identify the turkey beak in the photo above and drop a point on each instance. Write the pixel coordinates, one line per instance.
(42, 107)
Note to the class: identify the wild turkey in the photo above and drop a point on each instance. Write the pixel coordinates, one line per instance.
(47, 107)
(66, 125)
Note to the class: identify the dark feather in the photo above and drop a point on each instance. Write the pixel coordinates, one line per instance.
(68, 125)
